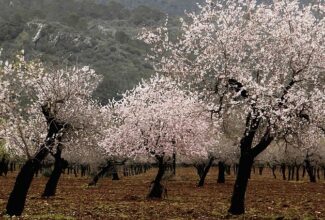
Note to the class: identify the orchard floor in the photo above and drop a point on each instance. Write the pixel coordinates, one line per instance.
(126, 199)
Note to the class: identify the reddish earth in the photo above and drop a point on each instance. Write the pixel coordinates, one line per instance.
(267, 198)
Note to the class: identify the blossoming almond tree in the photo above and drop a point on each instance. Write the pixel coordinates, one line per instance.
(267, 59)
(78, 142)
(44, 108)
(157, 119)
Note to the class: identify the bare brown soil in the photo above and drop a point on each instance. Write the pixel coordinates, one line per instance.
(267, 198)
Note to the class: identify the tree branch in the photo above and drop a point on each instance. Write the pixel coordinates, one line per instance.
(264, 143)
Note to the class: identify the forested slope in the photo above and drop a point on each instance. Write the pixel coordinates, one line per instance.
(68, 32)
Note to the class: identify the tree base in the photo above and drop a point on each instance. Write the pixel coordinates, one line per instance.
(17, 198)
(158, 191)
(236, 210)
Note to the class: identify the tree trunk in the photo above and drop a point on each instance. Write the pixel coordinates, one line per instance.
(59, 165)
(260, 170)
(17, 198)
(310, 169)
(174, 164)
(199, 169)
(235, 169)
(4, 166)
(157, 190)
(297, 172)
(114, 173)
(83, 169)
(238, 197)
(101, 173)
(12, 166)
(283, 171)
(221, 174)
(125, 171)
(205, 172)
(247, 156)
(289, 173)
(228, 169)
(273, 171)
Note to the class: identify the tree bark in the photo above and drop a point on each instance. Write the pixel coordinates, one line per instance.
(59, 165)
(199, 169)
(297, 172)
(247, 156)
(289, 172)
(283, 171)
(83, 170)
(174, 164)
(310, 171)
(12, 166)
(273, 171)
(114, 173)
(157, 189)
(238, 197)
(235, 168)
(228, 169)
(125, 171)
(17, 198)
(4, 166)
(260, 170)
(101, 173)
(205, 172)
(221, 174)
(292, 172)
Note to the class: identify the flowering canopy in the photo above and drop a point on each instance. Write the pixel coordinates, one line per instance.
(36, 99)
(157, 118)
(267, 59)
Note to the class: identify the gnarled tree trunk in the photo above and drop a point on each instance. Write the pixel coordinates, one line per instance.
(205, 172)
(238, 197)
(17, 198)
(101, 173)
(247, 156)
(199, 169)
(310, 171)
(59, 165)
(157, 189)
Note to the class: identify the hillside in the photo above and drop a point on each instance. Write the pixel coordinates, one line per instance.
(68, 32)
(172, 7)
(99, 33)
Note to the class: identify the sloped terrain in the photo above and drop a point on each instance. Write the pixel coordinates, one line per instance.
(62, 33)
